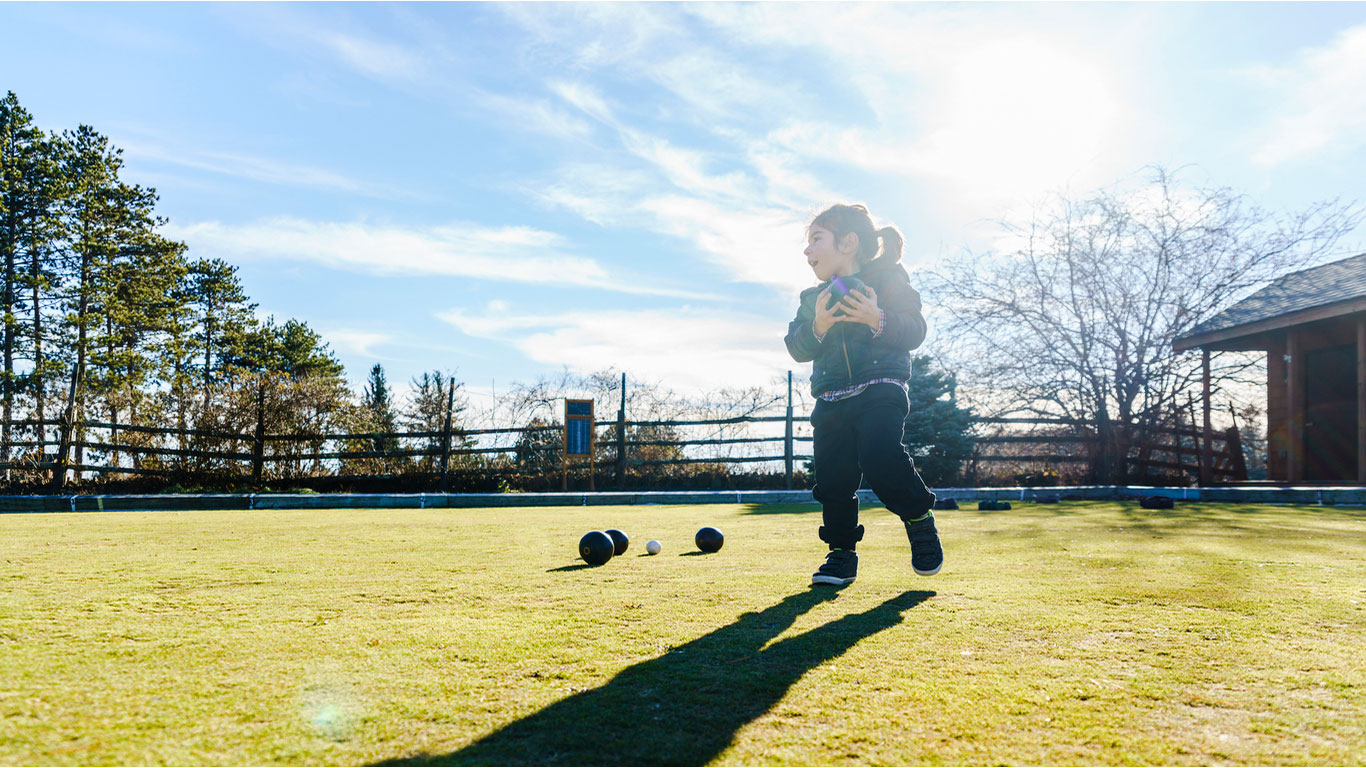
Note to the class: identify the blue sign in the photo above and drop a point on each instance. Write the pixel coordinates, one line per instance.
(578, 427)
(578, 437)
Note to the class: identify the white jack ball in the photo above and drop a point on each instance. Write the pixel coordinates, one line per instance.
(653, 546)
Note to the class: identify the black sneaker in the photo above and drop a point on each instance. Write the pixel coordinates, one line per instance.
(840, 568)
(927, 557)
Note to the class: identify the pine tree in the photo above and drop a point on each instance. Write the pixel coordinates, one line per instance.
(938, 432)
(426, 412)
(378, 401)
(224, 313)
(28, 188)
(292, 348)
(92, 212)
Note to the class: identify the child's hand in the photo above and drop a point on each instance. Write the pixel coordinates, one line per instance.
(860, 306)
(825, 314)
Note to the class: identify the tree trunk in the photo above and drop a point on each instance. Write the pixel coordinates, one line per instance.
(39, 377)
(10, 245)
(78, 372)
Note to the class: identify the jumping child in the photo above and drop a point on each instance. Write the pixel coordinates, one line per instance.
(859, 334)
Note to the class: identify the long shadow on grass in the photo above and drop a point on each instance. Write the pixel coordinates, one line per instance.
(682, 708)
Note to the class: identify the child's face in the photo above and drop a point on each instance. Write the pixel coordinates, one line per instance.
(826, 257)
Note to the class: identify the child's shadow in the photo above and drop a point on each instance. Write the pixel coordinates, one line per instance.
(682, 708)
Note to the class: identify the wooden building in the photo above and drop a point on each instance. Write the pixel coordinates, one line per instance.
(1312, 326)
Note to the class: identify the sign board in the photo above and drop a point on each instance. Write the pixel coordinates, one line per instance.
(578, 427)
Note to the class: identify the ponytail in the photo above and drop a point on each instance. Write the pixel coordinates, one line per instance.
(891, 244)
(844, 219)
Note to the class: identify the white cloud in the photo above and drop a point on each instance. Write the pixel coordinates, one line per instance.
(969, 106)
(1002, 120)
(355, 342)
(536, 115)
(1324, 98)
(689, 349)
(248, 167)
(512, 254)
(748, 240)
(960, 98)
(375, 58)
(586, 99)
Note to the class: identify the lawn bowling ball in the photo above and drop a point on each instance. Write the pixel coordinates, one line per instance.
(709, 539)
(619, 541)
(843, 286)
(596, 547)
(653, 547)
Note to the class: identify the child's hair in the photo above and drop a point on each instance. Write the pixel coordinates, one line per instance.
(843, 219)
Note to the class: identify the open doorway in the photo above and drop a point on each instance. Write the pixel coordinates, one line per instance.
(1330, 414)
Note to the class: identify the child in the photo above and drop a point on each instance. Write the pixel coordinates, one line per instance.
(860, 344)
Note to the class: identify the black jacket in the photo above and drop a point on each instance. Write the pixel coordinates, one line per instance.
(849, 354)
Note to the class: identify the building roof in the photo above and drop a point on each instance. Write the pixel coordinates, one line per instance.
(1297, 292)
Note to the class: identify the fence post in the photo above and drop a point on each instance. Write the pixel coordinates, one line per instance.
(621, 437)
(1104, 436)
(787, 435)
(64, 436)
(63, 447)
(1207, 432)
(1233, 443)
(446, 439)
(258, 445)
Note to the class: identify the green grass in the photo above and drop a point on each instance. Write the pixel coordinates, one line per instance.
(1068, 634)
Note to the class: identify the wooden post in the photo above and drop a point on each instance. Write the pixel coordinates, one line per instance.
(1277, 450)
(446, 439)
(63, 447)
(258, 445)
(787, 435)
(1104, 429)
(64, 436)
(1294, 396)
(1207, 438)
(621, 437)
(1233, 442)
(1361, 398)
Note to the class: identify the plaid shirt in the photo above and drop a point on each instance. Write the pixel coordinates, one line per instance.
(857, 389)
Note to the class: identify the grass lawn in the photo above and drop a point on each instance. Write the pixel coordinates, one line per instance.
(1067, 634)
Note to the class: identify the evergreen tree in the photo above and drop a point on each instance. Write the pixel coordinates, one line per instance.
(28, 190)
(142, 311)
(94, 211)
(292, 348)
(378, 401)
(426, 412)
(938, 432)
(224, 314)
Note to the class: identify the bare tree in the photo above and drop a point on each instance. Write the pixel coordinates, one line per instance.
(1075, 319)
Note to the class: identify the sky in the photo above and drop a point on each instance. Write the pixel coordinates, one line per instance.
(509, 190)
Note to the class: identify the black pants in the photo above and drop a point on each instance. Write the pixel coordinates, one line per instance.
(860, 436)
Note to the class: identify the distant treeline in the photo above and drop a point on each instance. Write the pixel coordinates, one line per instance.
(103, 317)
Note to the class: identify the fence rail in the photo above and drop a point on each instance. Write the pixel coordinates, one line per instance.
(177, 452)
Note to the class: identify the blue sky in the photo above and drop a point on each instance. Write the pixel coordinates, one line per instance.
(508, 189)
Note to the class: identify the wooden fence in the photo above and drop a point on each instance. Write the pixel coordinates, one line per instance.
(1158, 454)
(171, 453)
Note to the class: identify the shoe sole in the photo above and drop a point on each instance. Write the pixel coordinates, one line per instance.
(833, 581)
(927, 573)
